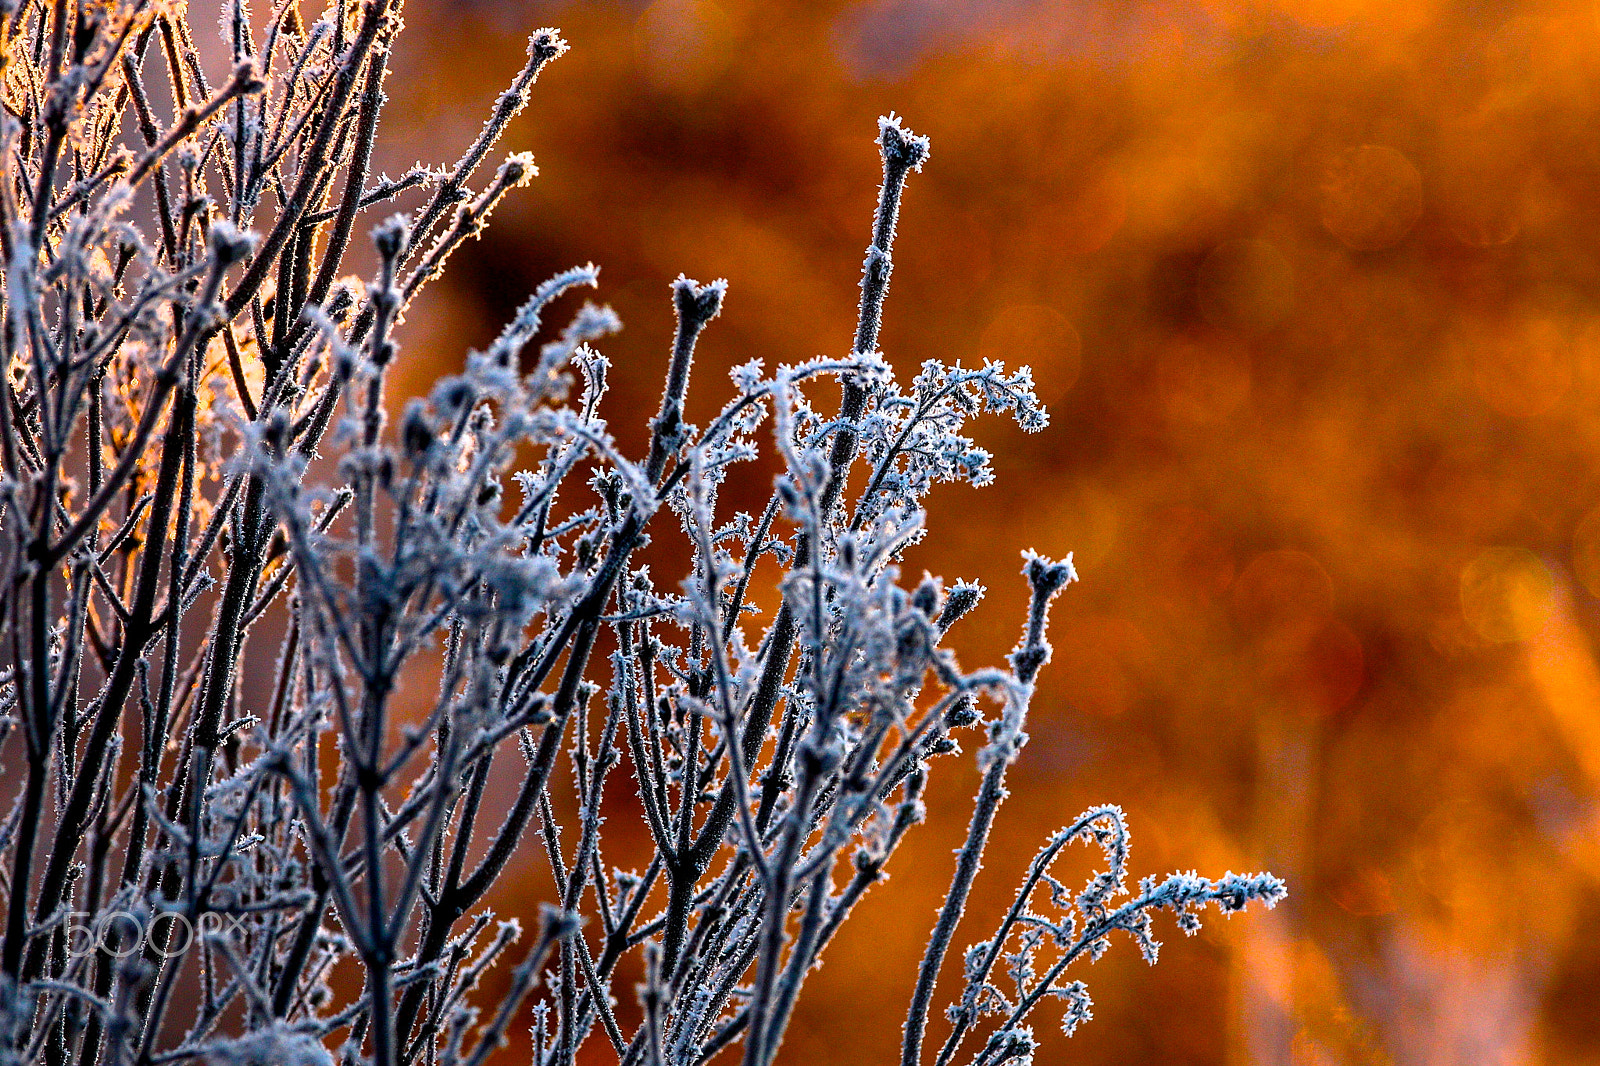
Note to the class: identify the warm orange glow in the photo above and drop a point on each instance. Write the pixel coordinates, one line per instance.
(1311, 287)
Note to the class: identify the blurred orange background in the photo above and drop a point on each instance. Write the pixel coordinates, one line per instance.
(1312, 288)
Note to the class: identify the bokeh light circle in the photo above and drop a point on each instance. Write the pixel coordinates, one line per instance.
(1506, 594)
(1202, 383)
(1036, 336)
(1371, 197)
(1526, 369)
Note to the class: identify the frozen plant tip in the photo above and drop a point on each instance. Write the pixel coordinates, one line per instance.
(465, 668)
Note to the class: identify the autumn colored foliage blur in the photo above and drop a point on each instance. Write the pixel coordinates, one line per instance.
(1312, 288)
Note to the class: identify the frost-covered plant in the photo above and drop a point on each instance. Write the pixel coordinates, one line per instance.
(197, 449)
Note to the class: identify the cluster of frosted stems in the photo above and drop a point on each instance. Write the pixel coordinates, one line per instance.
(307, 675)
